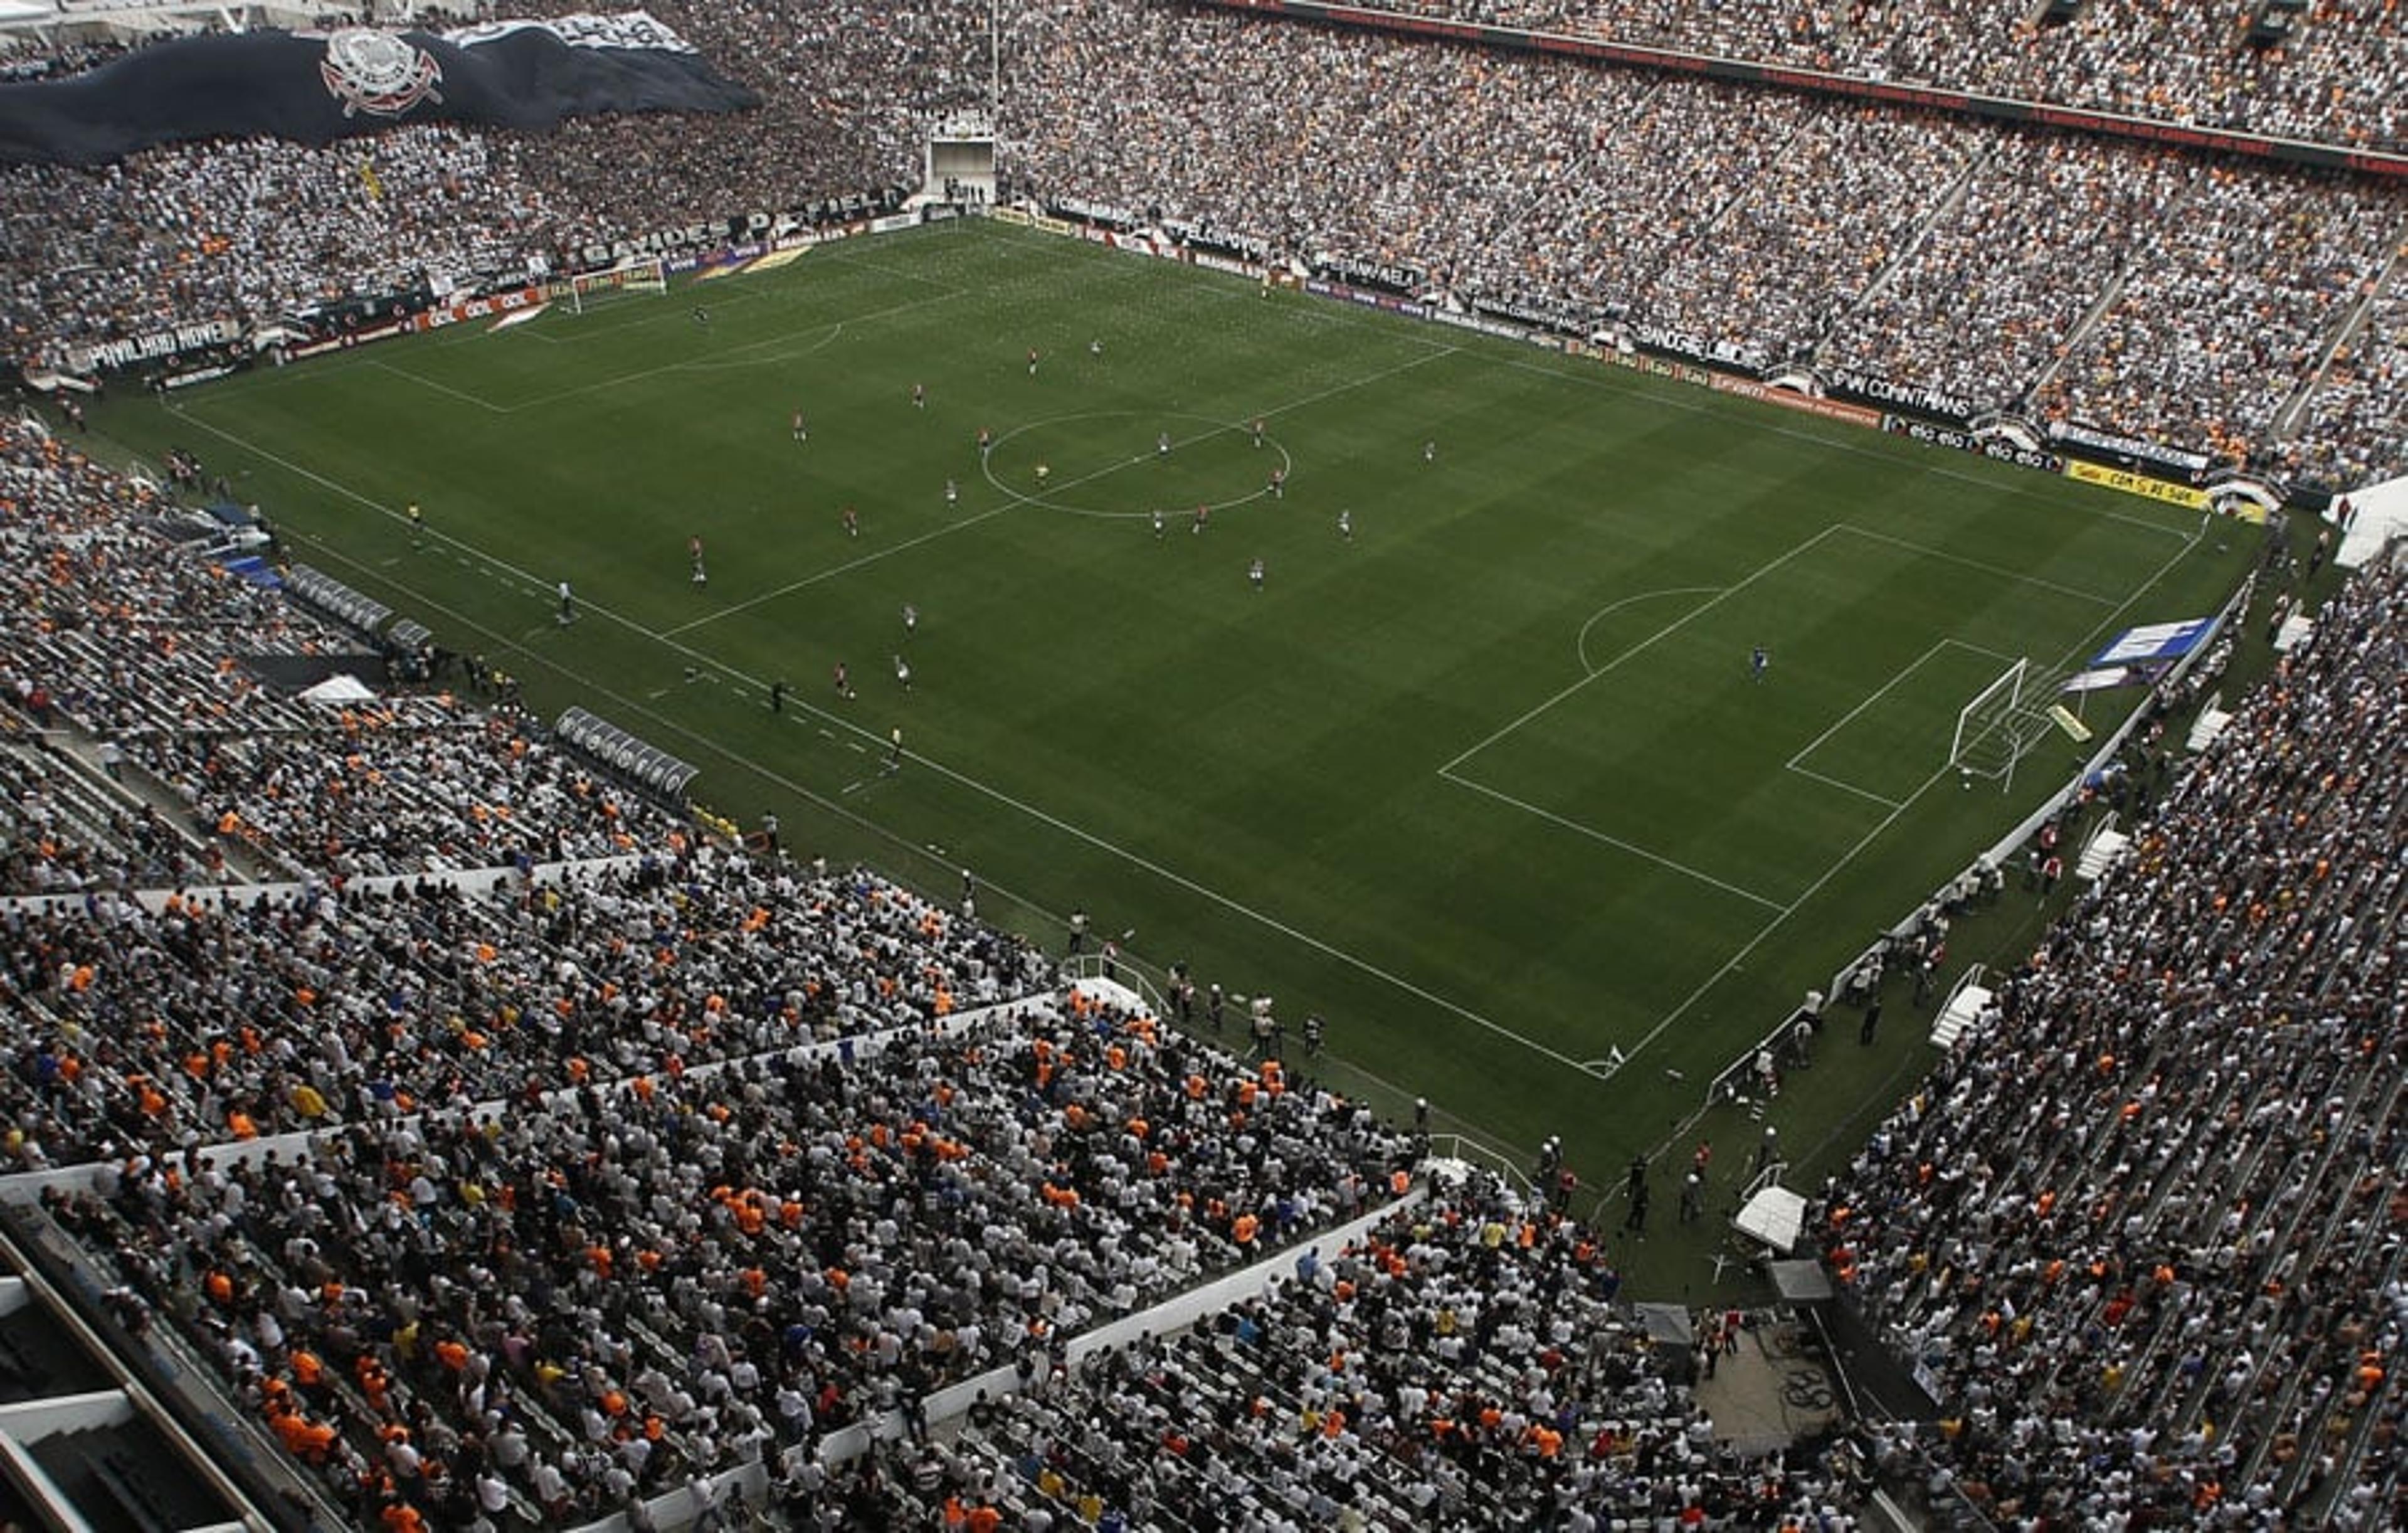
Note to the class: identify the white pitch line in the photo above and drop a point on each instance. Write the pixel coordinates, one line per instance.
(1845, 719)
(1782, 914)
(1850, 855)
(1580, 645)
(1019, 499)
(1596, 835)
(1133, 859)
(1649, 642)
(2001, 571)
(1865, 793)
(441, 387)
(834, 570)
(786, 345)
(1605, 378)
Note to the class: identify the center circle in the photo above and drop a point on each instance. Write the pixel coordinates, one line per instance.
(1120, 463)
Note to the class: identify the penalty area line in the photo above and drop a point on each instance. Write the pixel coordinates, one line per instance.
(1596, 835)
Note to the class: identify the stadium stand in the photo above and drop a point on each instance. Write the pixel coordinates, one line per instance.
(507, 1209)
(2336, 80)
(2181, 1300)
(2162, 296)
(504, 1204)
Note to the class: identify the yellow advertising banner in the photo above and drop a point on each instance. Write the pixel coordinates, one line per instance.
(2137, 485)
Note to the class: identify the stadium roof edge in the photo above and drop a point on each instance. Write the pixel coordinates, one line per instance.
(2367, 161)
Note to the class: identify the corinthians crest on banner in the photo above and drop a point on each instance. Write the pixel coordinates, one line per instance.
(315, 87)
(379, 73)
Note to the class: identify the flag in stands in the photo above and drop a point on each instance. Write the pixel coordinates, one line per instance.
(315, 87)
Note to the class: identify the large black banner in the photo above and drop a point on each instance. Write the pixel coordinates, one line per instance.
(316, 87)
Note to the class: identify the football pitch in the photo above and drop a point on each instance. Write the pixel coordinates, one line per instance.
(1486, 778)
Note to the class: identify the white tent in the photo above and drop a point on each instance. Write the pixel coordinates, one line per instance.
(2378, 513)
(339, 689)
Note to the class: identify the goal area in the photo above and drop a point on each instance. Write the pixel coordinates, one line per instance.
(649, 275)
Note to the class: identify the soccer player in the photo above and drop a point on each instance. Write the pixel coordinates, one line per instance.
(1346, 525)
(1279, 483)
(1757, 660)
(1032, 362)
(1044, 472)
(852, 523)
(801, 435)
(1203, 514)
(894, 750)
(1429, 450)
(694, 557)
(701, 315)
(417, 525)
(844, 681)
(986, 439)
(911, 619)
(919, 396)
(1254, 573)
(777, 697)
(1158, 524)
(903, 673)
(1096, 346)
(952, 493)
(1162, 444)
(567, 605)
(1259, 431)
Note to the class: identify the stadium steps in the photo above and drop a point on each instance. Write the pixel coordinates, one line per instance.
(1965, 1004)
(2306, 1421)
(1550, 186)
(2211, 722)
(2345, 1208)
(2361, 1436)
(1943, 207)
(2354, 318)
(2102, 851)
(2089, 322)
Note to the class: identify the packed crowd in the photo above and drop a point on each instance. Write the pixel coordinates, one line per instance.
(2342, 77)
(377, 793)
(1936, 252)
(504, 1210)
(257, 232)
(610, 1183)
(2363, 404)
(107, 628)
(2149, 1233)
(2232, 303)
(1463, 1366)
(847, 88)
(680, 1271)
(59, 835)
(1797, 229)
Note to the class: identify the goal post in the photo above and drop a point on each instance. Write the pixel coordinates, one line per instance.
(1989, 741)
(645, 275)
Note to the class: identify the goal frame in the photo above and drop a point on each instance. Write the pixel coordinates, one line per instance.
(645, 274)
(1987, 712)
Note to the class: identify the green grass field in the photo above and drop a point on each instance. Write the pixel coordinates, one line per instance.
(1488, 785)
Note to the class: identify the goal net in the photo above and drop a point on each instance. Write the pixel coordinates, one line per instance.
(2000, 725)
(649, 275)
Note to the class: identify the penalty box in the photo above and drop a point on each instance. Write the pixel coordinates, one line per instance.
(1672, 749)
